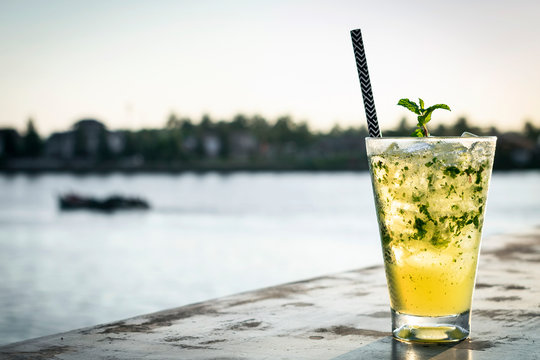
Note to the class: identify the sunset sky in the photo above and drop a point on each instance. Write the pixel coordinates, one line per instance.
(132, 63)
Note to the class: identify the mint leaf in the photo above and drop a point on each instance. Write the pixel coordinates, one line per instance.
(430, 110)
(438, 106)
(410, 105)
(424, 115)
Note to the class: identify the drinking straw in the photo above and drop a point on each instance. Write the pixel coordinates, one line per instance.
(363, 75)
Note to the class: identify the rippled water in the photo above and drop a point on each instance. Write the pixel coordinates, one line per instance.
(206, 236)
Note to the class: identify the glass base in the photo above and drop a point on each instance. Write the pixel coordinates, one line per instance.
(427, 329)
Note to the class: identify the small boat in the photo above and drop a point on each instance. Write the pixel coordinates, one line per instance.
(73, 201)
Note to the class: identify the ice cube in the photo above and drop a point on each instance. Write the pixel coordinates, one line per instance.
(393, 147)
(479, 152)
(417, 146)
(451, 154)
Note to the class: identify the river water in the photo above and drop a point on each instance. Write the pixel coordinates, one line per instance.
(205, 236)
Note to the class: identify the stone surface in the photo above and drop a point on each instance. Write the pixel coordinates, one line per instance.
(341, 316)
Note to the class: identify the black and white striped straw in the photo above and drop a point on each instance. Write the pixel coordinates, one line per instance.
(363, 75)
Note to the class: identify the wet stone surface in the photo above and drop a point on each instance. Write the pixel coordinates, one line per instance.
(343, 316)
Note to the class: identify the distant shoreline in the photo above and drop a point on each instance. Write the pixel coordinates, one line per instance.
(200, 170)
(176, 170)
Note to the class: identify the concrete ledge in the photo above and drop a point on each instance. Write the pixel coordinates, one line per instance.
(343, 316)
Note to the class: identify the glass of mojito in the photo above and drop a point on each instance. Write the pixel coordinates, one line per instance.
(430, 197)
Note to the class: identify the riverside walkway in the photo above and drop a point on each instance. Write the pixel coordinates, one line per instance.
(341, 316)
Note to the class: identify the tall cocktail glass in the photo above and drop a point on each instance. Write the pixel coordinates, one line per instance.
(430, 197)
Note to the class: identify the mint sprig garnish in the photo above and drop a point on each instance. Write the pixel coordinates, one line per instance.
(424, 115)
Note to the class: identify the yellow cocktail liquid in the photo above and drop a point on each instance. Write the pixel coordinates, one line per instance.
(430, 208)
(424, 285)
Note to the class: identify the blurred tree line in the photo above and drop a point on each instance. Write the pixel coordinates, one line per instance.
(13, 145)
(244, 142)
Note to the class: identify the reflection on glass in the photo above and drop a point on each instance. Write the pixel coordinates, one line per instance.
(411, 351)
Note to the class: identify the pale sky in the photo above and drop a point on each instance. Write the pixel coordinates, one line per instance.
(132, 63)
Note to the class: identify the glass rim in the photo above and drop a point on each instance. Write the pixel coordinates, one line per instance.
(431, 138)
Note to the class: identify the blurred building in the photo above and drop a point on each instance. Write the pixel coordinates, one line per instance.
(88, 138)
(516, 150)
(243, 144)
(60, 145)
(211, 145)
